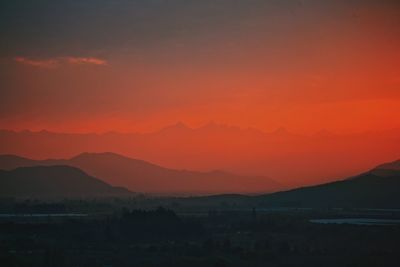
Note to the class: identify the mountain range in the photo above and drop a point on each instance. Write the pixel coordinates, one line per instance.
(141, 176)
(289, 158)
(54, 181)
(376, 188)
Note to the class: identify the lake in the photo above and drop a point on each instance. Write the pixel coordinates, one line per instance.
(9, 215)
(358, 221)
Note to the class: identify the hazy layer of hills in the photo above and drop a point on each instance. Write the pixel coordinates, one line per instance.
(54, 181)
(377, 188)
(141, 176)
(289, 158)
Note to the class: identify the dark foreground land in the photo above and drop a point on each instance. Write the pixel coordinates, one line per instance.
(130, 233)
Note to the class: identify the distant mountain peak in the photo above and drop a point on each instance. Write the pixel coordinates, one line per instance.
(179, 126)
(212, 125)
(281, 131)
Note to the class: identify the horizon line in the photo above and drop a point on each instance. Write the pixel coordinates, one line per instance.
(202, 126)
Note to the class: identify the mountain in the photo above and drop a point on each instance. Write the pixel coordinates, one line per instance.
(9, 162)
(378, 188)
(395, 165)
(292, 159)
(54, 181)
(141, 176)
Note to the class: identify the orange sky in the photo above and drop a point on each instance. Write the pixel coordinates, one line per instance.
(337, 69)
(134, 66)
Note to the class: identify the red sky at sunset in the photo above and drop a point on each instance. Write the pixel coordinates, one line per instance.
(139, 66)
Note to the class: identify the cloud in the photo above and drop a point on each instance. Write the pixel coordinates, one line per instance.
(48, 63)
(56, 62)
(85, 60)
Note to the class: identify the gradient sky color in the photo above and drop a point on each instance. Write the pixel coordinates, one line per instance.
(97, 66)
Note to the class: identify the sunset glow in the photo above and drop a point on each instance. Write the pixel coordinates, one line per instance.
(305, 66)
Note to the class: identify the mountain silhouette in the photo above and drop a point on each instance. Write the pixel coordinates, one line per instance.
(395, 165)
(377, 188)
(141, 176)
(54, 181)
(291, 158)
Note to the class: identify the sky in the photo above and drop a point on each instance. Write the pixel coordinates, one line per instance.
(98, 66)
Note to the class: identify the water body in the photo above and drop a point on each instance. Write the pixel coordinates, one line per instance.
(358, 221)
(9, 215)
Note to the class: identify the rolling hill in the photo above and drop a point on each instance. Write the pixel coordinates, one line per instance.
(377, 188)
(54, 181)
(141, 176)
